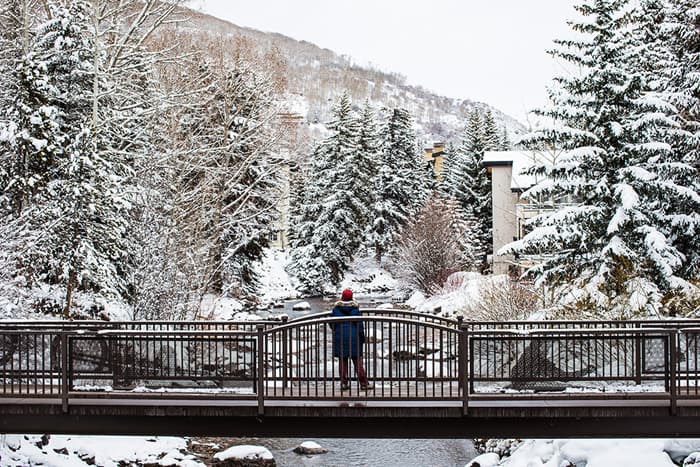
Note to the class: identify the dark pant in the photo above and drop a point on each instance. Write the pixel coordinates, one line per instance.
(359, 369)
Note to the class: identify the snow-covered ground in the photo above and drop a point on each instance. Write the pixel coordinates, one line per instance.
(104, 451)
(462, 292)
(461, 288)
(275, 283)
(365, 277)
(598, 453)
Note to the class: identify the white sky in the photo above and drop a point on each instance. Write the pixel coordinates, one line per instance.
(486, 50)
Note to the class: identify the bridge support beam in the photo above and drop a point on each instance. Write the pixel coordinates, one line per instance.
(353, 427)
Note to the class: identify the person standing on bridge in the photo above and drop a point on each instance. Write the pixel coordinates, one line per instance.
(348, 338)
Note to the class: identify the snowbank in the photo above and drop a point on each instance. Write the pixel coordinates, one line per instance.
(107, 451)
(218, 308)
(275, 283)
(490, 459)
(460, 290)
(600, 453)
(365, 277)
(45, 302)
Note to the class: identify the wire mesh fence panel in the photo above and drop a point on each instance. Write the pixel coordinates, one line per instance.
(216, 361)
(559, 360)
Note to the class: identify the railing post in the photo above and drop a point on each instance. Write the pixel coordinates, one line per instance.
(673, 349)
(64, 372)
(261, 369)
(462, 368)
(285, 370)
(460, 323)
(638, 357)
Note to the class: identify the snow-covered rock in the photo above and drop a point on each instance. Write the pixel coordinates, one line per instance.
(301, 306)
(310, 448)
(244, 455)
(693, 460)
(680, 449)
(490, 459)
(244, 316)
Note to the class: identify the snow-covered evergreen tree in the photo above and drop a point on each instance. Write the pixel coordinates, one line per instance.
(467, 181)
(505, 143)
(331, 223)
(679, 37)
(400, 186)
(491, 133)
(613, 246)
(78, 206)
(305, 262)
(365, 162)
(10, 53)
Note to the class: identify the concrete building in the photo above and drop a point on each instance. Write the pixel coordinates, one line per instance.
(435, 156)
(291, 123)
(510, 209)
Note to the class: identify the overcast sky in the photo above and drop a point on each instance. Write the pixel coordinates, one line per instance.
(487, 50)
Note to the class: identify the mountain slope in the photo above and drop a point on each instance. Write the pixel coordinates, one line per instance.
(316, 76)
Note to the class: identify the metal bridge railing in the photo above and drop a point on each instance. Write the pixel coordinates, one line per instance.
(407, 356)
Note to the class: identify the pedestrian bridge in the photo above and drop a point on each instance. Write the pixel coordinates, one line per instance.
(433, 378)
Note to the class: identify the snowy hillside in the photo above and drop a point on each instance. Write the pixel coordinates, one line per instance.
(316, 77)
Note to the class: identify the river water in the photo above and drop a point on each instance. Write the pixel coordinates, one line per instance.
(365, 452)
(370, 452)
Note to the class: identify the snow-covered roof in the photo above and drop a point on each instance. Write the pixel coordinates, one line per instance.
(520, 161)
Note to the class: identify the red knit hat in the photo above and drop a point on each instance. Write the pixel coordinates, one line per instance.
(347, 295)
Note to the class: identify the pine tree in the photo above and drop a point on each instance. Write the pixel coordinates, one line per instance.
(679, 38)
(400, 186)
(364, 164)
(305, 262)
(27, 127)
(468, 182)
(78, 205)
(331, 224)
(491, 135)
(612, 244)
(505, 144)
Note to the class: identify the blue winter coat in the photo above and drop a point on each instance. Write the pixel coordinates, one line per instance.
(348, 336)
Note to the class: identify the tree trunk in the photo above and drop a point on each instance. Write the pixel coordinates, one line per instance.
(72, 279)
